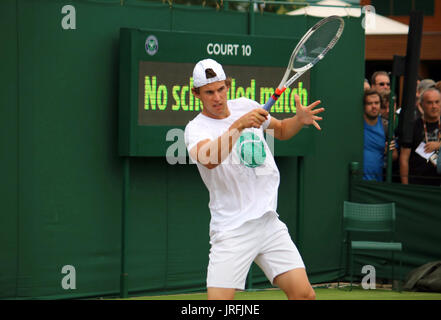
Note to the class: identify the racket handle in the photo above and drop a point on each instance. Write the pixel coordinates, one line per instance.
(272, 100)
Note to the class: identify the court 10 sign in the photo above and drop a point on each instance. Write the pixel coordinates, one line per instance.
(229, 49)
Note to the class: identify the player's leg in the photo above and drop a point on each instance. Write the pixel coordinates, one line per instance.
(295, 284)
(231, 255)
(220, 293)
(281, 261)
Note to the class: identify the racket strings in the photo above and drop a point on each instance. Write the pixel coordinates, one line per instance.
(311, 49)
(318, 43)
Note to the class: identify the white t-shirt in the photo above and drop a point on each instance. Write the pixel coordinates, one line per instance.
(245, 185)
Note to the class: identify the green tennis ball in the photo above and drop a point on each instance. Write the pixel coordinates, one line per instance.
(250, 150)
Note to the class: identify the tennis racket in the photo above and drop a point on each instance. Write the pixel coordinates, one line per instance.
(313, 46)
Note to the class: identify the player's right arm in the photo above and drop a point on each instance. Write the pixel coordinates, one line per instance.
(211, 153)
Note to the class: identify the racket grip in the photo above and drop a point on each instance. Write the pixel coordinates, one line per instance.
(272, 100)
(267, 106)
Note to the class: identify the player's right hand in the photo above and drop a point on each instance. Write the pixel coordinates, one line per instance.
(253, 119)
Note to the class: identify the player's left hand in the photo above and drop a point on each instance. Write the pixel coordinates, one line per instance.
(307, 115)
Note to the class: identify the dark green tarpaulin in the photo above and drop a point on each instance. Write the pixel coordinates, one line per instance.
(418, 225)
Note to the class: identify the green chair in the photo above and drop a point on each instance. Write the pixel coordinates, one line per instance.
(363, 219)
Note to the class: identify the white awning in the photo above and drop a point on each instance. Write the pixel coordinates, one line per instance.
(375, 23)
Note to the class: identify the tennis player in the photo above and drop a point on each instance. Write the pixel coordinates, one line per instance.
(226, 141)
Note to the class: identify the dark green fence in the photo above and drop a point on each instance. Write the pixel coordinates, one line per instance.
(418, 224)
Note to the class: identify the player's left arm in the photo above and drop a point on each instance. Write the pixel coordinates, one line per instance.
(287, 128)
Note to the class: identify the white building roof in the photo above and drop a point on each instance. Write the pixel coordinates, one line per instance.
(375, 23)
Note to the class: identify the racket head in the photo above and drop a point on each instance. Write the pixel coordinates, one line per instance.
(316, 42)
(311, 48)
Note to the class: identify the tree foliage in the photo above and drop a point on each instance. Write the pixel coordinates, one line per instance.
(242, 6)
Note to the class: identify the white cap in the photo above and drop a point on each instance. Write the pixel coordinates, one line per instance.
(199, 76)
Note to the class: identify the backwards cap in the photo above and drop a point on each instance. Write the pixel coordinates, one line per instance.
(202, 75)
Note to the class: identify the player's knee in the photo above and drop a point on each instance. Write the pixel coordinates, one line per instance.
(310, 295)
(220, 294)
(307, 294)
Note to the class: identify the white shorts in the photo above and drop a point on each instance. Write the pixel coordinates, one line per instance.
(264, 240)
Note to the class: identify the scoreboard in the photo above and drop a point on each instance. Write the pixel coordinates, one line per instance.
(155, 81)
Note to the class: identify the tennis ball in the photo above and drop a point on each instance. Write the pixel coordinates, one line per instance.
(250, 149)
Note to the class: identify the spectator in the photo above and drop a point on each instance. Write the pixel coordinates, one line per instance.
(374, 137)
(384, 111)
(385, 99)
(415, 164)
(438, 85)
(422, 86)
(366, 84)
(380, 81)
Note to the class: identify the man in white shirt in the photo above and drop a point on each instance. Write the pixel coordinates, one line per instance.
(227, 143)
